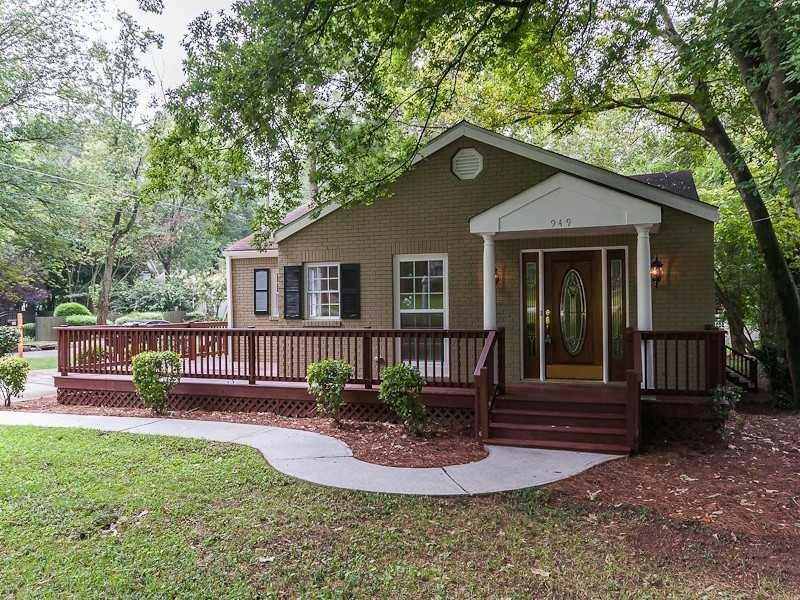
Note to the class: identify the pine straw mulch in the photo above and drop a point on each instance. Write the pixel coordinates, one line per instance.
(734, 502)
(379, 443)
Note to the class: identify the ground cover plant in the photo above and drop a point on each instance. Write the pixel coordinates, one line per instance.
(88, 514)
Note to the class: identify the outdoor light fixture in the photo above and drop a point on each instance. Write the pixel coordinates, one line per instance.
(656, 271)
(498, 277)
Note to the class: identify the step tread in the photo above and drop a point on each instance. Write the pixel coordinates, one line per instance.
(556, 413)
(560, 428)
(564, 399)
(560, 445)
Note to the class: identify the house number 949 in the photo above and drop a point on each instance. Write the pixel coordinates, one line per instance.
(555, 223)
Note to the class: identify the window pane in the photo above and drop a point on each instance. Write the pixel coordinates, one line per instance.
(406, 301)
(437, 285)
(436, 320)
(261, 280)
(261, 301)
(406, 285)
(406, 269)
(437, 301)
(420, 301)
(420, 268)
(437, 267)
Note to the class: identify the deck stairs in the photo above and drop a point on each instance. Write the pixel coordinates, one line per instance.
(562, 416)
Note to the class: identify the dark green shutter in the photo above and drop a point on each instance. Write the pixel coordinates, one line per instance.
(293, 292)
(350, 278)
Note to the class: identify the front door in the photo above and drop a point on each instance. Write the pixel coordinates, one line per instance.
(573, 315)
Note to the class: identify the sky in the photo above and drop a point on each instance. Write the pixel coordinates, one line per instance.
(166, 63)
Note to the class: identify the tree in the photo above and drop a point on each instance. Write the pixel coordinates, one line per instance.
(117, 101)
(357, 88)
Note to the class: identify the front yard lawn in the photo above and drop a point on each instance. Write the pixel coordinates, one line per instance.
(91, 514)
(42, 362)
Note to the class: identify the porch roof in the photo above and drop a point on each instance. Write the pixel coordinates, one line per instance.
(565, 205)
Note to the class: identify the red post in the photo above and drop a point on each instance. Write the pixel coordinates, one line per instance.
(501, 360)
(251, 356)
(63, 349)
(633, 408)
(482, 404)
(366, 357)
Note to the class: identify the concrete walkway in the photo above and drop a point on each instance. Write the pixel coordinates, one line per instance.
(327, 461)
(39, 384)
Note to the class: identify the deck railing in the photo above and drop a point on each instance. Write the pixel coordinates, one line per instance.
(490, 377)
(446, 358)
(742, 369)
(688, 363)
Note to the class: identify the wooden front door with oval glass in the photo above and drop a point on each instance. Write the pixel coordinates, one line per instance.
(573, 318)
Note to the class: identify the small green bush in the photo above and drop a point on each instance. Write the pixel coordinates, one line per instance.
(326, 380)
(78, 320)
(138, 316)
(68, 309)
(724, 400)
(9, 340)
(13, 374)
(154, 376)
(400, 389)
(29, 330)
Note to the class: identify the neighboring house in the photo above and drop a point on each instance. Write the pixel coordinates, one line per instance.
(488, 232)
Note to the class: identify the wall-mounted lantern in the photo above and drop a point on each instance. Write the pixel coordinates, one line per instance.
(656, 271)
(498, 277)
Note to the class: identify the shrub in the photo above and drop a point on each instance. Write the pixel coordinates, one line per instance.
(77, 320)
(773, 358)
(9, 339)
(149, 294)
(326, 381)
(138, 316)
(29, 330)
(13, 374)
(68, 309)
(154, 376)
(400, 390)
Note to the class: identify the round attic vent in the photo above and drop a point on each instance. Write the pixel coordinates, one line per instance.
(467, 163)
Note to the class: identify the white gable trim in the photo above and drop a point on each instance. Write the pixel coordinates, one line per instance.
(563, 202)
(571, 166)
(234, 254)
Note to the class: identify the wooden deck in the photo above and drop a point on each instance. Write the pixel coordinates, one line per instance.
(264, 370)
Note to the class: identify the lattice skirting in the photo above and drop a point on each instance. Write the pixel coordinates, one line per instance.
(451, 417)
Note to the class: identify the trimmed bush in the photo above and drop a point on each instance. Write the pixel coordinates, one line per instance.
(29, 330)
(13, 374)
(9, 340)
(154, 376)
(138, 316)
(400, 389)
(68, 309)
(326, 380)
(78, 320)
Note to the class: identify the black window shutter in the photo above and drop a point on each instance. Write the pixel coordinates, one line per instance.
(350, 286)
(293, 292)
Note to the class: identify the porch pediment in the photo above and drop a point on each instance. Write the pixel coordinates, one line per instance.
(564, 203)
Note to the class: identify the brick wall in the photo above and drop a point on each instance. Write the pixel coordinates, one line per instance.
(429, 213)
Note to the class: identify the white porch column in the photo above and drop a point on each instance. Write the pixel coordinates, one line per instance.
(644, 299)
(489, 293)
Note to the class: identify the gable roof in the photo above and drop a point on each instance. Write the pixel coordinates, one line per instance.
(674, 189)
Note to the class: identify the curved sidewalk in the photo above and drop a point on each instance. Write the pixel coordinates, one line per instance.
(327, 461)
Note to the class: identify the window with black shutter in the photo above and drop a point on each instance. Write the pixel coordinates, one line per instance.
(350, 276)
(261, 291)
(293, 292)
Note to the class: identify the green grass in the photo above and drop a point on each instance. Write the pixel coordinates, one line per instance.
(86, 514)
(43, 362)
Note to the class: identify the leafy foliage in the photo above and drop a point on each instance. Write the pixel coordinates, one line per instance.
(29, 330)
(13, 374)
(78, 320)
(151, 295)
(9, 340)
(400, 389)
(326, 380)
(69, 309)
(154, 376)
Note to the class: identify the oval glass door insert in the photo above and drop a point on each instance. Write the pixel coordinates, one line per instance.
(573, 312)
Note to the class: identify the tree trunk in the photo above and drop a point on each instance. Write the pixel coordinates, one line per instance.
(777, 267)
(739, 339)
(105, 284)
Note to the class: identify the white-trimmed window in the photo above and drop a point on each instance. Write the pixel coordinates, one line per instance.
(322, 291)
(421, 303)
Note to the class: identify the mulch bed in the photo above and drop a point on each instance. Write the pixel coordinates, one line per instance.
(730, 502)
(379, 443)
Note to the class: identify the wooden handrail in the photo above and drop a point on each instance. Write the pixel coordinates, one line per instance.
(744, 365)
